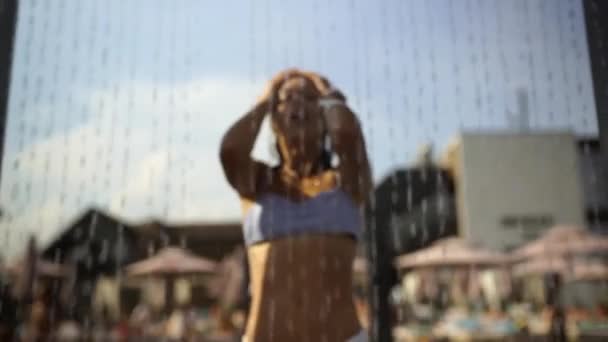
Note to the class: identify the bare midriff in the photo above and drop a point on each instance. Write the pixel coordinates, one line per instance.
(301, 289)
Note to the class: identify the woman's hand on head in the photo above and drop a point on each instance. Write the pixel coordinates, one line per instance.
(274, 85)
(322, 85)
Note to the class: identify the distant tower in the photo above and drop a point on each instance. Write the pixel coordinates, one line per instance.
(520, 121)
(524, 109)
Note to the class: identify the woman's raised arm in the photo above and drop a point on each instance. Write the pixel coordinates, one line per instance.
(348, 143)
(242, 172)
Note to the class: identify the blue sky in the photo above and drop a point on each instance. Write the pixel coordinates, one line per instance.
(121, 104)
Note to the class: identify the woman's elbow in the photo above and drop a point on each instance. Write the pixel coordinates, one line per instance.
(230, 168)
(230, 149)
(229, 159)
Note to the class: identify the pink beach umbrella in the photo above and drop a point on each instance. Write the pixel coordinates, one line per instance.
(451, 252)
(569, 269)
(563, 240)
(541, 265)
(170, 263)
(593, 270)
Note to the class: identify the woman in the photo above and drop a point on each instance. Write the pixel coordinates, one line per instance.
(302, 210)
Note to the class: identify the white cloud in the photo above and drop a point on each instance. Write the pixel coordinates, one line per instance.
(181, 150)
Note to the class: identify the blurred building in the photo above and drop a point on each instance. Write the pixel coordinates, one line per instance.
(594, 180)
(103, 244)
(100, 245)
(411, 208)
(497, 189)
(510, 187)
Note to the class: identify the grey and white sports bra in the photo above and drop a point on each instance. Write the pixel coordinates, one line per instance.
(273, 216)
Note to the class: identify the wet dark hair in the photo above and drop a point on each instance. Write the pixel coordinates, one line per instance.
(321, 83)
(324, 158)
(273, 102)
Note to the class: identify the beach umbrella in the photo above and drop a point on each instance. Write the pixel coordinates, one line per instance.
(170, 263)
(451, 251)
(563, 240)
(569, 269)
